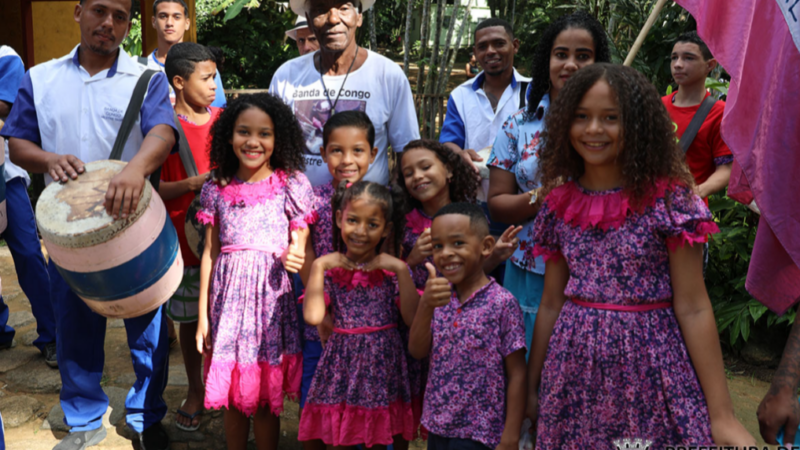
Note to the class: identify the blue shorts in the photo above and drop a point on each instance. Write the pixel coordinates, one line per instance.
(442, 443)
(527, 287)
(312, 350)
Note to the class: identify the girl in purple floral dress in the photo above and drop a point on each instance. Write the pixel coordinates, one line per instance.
(348, 147)
(625, 346)
(256, 230)
(360, 393)
(433, 176)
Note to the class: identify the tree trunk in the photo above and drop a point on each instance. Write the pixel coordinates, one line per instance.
(429, 80)
(513, 12)
(373, 41)
(423, 49)
(442, 64)
(464, 24)
(407, 37)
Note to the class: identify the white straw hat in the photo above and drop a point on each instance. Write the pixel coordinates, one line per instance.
(299, 24)
(300, 7)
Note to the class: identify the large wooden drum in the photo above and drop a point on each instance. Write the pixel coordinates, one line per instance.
(121, 268)
(3, 216)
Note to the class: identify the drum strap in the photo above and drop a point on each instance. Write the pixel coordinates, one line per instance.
(184, 151)
(697, 121)
(131, 114)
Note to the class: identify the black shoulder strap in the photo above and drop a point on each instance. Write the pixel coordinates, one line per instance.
(696, 123)
(523, 91)
(184, 151)
(134, 106)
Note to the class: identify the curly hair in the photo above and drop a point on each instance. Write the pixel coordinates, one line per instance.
(648, 148)
(392, 200)
(289, 144)
(464, 184)
(540, 66)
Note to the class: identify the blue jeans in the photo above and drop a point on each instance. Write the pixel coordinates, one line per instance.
(6, 332)
(81, 335)
(23, 243)
(527, 287)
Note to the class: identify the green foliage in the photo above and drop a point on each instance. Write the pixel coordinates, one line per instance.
(133, 41)
(622, 20)
(735, 309)
(252, 41)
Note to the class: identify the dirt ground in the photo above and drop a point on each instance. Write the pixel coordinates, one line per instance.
(39, 433)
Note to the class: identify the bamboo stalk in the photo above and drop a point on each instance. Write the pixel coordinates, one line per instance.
(643, 34)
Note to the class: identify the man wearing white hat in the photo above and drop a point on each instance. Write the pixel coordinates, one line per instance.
(305, 39)
(344, 77)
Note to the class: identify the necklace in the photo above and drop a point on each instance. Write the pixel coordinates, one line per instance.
(325, 88)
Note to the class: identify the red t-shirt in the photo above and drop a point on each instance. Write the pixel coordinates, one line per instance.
(708, 150)
(199, 137)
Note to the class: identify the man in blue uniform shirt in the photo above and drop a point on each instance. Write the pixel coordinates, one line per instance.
(67, 113)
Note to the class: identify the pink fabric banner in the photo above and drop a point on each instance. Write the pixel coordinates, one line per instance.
(758, 44)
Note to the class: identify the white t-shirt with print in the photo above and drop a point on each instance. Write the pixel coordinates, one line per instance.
(379, 88)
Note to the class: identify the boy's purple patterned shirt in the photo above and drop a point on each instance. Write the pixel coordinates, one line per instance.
(466, 393)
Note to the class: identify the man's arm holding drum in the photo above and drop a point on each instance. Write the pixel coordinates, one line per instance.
(158, 128)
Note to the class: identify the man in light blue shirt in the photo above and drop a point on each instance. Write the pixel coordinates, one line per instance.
(478, 107)
(68, 111)
(20, 235)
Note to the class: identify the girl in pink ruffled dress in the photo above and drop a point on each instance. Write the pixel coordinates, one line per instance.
(625, 347)
(360, 393)
(256, 231)
(433, 176)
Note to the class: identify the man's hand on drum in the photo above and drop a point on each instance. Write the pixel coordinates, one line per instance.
(64, 167)
(124, 191)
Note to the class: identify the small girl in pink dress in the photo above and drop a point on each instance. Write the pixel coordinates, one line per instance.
(256, 231)
(360, 393)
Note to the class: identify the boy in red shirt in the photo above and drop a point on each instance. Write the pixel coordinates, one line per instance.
(190, 69)
(709, 158)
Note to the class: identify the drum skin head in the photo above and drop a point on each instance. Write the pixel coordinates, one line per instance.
(72, 215)
(195, 231)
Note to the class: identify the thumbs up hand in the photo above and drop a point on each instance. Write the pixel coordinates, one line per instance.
(437, 289)
(294, 256)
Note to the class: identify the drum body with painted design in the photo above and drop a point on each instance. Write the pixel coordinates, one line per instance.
(121, 268)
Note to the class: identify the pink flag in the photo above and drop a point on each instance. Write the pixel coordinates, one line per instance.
(758, 44)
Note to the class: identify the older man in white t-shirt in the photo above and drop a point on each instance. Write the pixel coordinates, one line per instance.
(342, 76)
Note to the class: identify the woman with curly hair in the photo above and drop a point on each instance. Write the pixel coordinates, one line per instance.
(570, 43)
(433, 176)
(256, 231)
(625, 345)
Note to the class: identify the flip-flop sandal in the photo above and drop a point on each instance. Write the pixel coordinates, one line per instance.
(191, 418)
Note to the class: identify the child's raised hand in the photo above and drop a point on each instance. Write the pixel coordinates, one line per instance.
(333, 260)
(294, 256)
(437, 289)
(423, 248)
(507, 243)
(385, 261)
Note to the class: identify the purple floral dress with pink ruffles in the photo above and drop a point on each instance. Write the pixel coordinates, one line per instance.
(321, 236)
(615, 374)
(255, 332)
(416, 223)
(360, 392)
